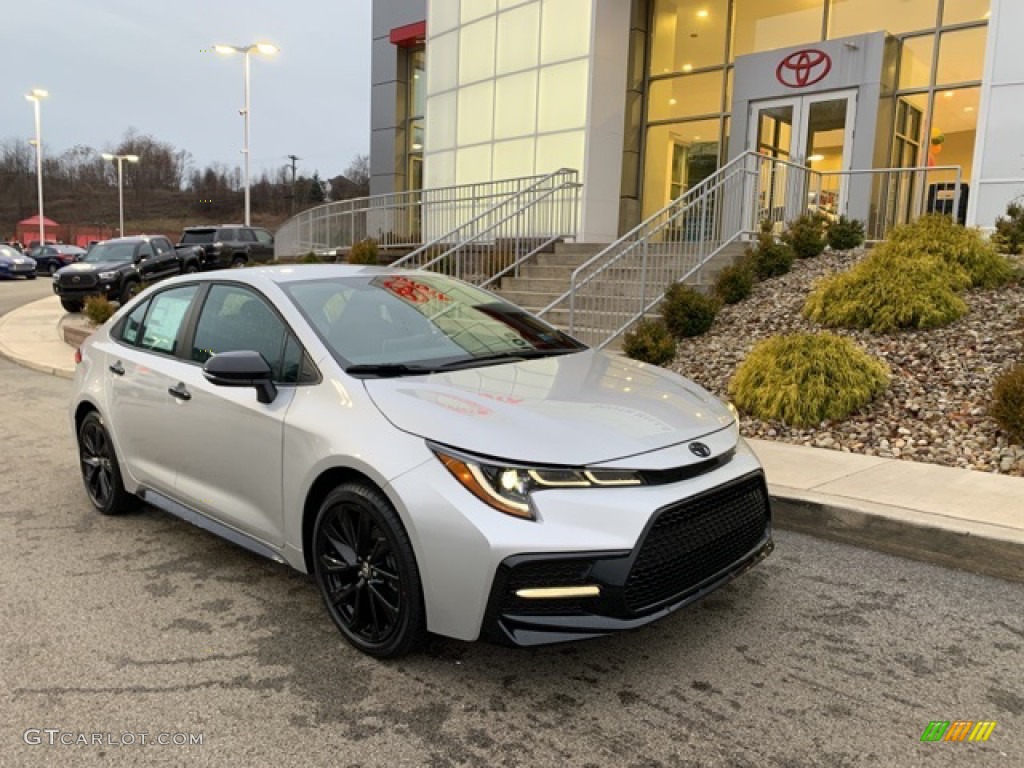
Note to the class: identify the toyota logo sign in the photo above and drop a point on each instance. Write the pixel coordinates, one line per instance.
(700, 450)
(804, 68)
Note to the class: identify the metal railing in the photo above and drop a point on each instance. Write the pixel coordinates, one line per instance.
(620, 284)
(497, 241)
(626, 280)
(895, 196)
(402, 219)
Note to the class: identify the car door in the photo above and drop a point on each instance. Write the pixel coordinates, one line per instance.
(228, 445)
(166, 260)
(139, 360)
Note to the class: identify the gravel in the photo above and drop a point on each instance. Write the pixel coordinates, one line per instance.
(935, 409)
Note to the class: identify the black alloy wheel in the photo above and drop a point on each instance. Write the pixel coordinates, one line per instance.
(366, 572)
(100, 472)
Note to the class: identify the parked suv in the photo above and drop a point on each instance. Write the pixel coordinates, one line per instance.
(117, 269)
(229, 245)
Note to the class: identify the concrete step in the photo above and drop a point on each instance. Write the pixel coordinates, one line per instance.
(564, 248)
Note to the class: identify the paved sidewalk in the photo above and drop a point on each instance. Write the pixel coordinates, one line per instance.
(955, 517)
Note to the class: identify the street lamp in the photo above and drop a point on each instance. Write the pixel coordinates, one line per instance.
(120, 186)
(267, 49)
(36, 95)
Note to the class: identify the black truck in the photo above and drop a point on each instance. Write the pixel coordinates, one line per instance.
(120, 268)
(228, 245)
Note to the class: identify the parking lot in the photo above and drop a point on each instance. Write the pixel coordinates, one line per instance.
(823, 655)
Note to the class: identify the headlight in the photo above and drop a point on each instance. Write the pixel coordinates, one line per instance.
(507, 487)
(107, 275)
(735, 413)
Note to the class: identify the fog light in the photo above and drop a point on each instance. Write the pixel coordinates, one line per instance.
(542, 593)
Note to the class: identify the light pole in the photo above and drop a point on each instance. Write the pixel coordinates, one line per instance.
(267, 49)
(36, 95)
(120, 184)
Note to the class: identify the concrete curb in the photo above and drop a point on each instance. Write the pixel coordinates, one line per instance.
(13, 318)
(916, 540)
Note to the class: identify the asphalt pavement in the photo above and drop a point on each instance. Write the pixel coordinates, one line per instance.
(823, 655)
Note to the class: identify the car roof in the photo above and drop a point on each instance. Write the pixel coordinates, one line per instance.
(293, 273)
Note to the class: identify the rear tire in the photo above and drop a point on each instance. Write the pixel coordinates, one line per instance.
(101, 474)
(366, 571)
(70, 305)
(51, 269)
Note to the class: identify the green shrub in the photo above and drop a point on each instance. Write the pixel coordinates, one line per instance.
(98, 309)
(650, 342)
(806, 236)
(844, 234)
(364, 252)
(310, 258)
(806, 378)
(770, 257)
(940, 236)
(1009, 236)
(894, 288)
(687, 312)
(735, 283)
(1008, 403)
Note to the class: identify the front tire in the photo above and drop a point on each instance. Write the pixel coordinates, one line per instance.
(238, 262)
(190, 269)
(51, 269)
(30, 276)
(70, 305)
(366, 572)
(101, 474)
(130, 291)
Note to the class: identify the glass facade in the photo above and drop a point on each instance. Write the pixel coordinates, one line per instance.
(693, 44)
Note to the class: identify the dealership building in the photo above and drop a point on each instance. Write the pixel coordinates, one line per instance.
(647, 98)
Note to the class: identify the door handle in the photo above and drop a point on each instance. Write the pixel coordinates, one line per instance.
(179, 391)
(117, 368)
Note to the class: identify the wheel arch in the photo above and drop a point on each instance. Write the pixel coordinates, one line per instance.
(326, 481)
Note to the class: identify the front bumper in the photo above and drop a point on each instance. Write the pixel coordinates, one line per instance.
(688, 550)
(110, 290)
(18, 270)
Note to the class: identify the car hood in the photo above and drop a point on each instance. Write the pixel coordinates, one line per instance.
(95, 266)
(576, 409)
(16, 259)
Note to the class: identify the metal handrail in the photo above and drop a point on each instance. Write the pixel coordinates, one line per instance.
(498, 241)
(398, 219)
(675, 243)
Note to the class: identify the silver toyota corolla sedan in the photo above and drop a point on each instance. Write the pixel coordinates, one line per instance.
(438, 459)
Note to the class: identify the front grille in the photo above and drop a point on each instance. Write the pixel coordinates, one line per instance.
(76, 282)
(547, 573)
(693, 540)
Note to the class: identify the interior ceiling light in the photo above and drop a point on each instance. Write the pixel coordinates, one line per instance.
(702, 13)
(949, 94)
(687, 67)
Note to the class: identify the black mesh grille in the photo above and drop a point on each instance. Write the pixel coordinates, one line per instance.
(695, 539)
(547, 573)
(83, 280)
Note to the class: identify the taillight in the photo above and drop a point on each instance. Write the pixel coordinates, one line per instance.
(78, 355)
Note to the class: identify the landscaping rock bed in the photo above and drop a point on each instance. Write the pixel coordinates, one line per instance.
(935, 409)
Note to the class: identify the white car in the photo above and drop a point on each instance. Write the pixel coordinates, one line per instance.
(439, 459)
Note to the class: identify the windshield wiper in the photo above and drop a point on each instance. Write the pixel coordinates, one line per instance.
(506, 357)
(387, 370)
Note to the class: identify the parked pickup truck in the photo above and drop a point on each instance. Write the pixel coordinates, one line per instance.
(228, 245)
(119, 269)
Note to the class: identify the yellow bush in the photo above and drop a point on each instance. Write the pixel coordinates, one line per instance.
(896, 287)
(1008, 403)
(98, 309)
(940, 237)
(806, 378)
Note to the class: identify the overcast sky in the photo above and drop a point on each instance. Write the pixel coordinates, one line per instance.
(148, 64)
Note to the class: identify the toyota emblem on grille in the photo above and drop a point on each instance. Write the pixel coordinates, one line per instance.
(699, 449)
(76, 279)
(804, 68)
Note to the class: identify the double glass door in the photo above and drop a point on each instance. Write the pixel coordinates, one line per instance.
(814, 132)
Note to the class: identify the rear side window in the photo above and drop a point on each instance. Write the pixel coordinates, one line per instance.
(131, 331)
(163, 321)
(197, 236)
(246, 236)
(264, 237)
(161, 246)
(227, 235)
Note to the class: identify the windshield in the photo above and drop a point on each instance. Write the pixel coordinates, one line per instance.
(422, 322)
(110, 251)
(197, 237)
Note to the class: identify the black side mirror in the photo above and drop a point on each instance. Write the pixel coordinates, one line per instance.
(242, 369)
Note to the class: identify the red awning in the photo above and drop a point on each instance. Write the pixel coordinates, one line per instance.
(409, 35)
